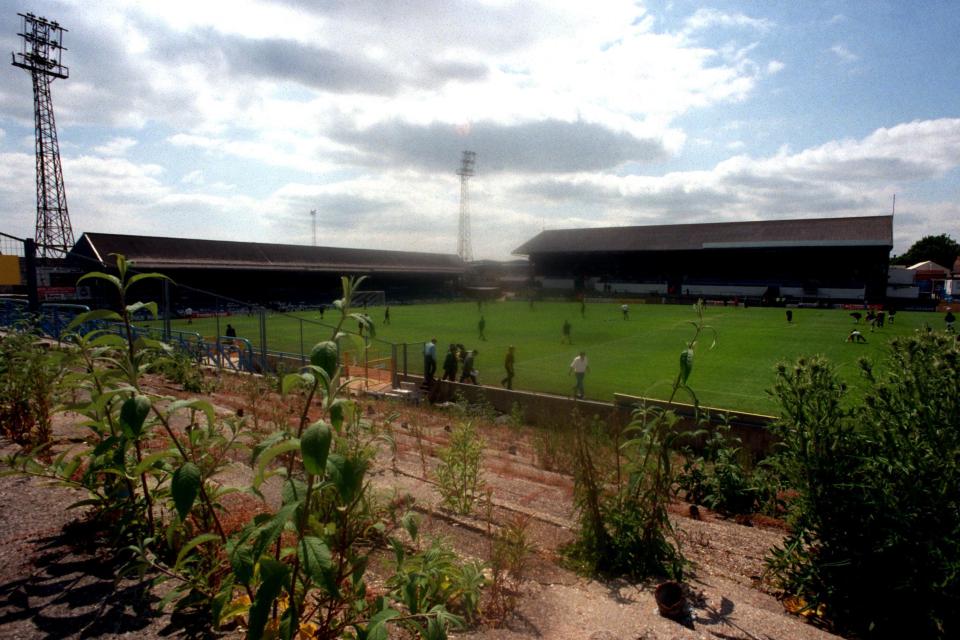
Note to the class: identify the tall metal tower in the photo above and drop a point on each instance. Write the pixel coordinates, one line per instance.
(41, 56)
(313, 217)
(463, 239)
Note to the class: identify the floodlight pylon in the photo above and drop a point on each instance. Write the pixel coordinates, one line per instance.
(42, 57)
(467, 165)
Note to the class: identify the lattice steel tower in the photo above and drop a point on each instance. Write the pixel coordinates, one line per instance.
(463, 239)
(41, 56)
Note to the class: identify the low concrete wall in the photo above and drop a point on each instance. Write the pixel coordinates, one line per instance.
(546, 410)
(752, 428)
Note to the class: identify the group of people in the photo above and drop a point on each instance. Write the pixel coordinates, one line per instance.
(875, 318)
(458, 358)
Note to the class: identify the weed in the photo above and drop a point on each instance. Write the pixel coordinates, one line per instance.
(517, 417)
(29, 376)
(509, 552)
(458, 473)
(719, 478)
(435, 577)
(873, 544)
(552, 447)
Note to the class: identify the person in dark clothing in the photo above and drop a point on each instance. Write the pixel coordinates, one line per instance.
(949, 319)
(789, 315)
(450, 364)
(231, 332)
(469, 373)
(565, 339)
(891, 315)
(481, 326)
(508, 366)
(386, 315)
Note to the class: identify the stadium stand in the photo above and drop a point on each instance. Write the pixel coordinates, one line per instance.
(775, 261)
(274, 274)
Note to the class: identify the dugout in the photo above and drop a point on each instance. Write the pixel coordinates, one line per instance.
(829, 260)
(273, 275)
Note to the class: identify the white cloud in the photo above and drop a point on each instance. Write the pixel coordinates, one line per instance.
(116, 146)
(845, 55)
(707, 18)
(841, 178)
(775, 67)
(194, 178)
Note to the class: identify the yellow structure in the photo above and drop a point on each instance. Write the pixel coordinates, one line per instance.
(10, 270)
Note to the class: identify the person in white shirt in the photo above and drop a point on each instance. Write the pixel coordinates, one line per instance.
(579, 368)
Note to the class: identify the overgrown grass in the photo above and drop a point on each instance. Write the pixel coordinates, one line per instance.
(636, 356)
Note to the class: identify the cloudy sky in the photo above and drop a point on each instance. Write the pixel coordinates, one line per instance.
(232, 120)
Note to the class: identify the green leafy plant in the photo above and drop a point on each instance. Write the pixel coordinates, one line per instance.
(458, 473)
(510, 552)
(30, 374)
(435, 579)
(180, 368)
(624, 527)
(719, 478)
(874, 545)
(304, 564)
(627, 531)
(150, 471)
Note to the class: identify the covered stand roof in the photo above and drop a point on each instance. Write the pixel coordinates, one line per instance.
(812, 232)
(186, 253)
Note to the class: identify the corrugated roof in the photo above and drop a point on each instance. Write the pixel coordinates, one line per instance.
(186, 253)
(814, 232)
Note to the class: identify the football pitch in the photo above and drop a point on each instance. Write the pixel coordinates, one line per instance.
(638, 356)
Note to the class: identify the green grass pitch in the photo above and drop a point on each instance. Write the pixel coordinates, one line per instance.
(638, 356)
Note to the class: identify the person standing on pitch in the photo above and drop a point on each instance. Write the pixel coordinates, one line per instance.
(579, 368)
(565, 339)
(626, 311)
(508, 366)
(386, 315)
(481, 326)
(429, 360)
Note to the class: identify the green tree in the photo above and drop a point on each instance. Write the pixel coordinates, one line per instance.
(941, 249)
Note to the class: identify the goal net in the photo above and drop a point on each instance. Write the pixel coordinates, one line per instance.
(369, 299)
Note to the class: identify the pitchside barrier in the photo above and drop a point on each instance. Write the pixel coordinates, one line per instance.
(375, 363)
